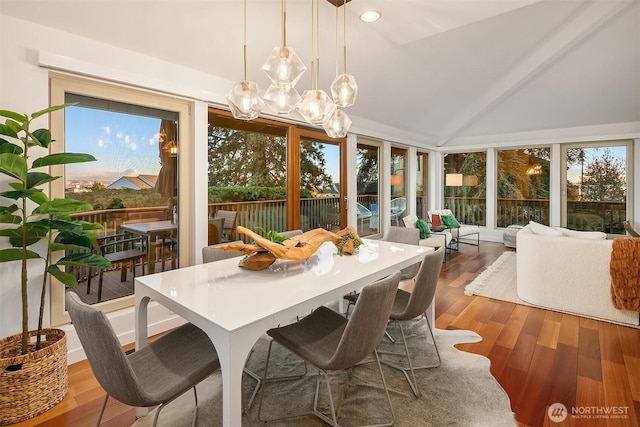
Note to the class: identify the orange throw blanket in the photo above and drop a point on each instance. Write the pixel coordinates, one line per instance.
(625, 274)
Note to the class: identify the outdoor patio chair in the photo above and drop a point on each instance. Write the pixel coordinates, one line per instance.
(331, 342)
(398, 206)
(153, 375)
(229, 223)
(120, 248)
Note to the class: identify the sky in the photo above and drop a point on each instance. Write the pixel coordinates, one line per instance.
(123, 144)
(573, 174)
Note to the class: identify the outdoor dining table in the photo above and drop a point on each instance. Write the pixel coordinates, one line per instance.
(235, 306)
(152, 230)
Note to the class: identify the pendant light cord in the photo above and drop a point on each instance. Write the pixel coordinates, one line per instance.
(244, 39)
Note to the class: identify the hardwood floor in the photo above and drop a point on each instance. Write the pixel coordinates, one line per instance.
(538, 356)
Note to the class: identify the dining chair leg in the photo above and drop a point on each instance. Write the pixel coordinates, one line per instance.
(412, 381)
(104, 405)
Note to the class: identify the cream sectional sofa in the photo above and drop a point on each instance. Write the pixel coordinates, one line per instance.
(567, 271)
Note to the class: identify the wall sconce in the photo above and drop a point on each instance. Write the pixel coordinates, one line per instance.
(470, 180)
(396, 179)
(172, 148)
(535, 169)
(453, 180)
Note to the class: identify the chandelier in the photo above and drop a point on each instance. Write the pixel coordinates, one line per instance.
(244, 100)
(284, 68)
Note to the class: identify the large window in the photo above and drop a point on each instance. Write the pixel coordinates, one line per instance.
(135, 138)
(398, 184)
(523, 186)
(597, 179)
(250, 174)
(465, 186)
(368, 187)
(421, 185)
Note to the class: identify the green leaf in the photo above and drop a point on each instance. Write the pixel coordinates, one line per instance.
(70, 238)
(41, 137)
(19, 194)
(62, 159)
(14, 126)
(53, 247)
(67, 279)
(52, 109)
(90, 225)
(9, 209)
(34, 231)
(9, 147)
(15, 116)
(13, 165)
(35, 179)
(64, 206)
(14, 254)
(5, 130)
(38, 196)
(10, 219)
(85, 259)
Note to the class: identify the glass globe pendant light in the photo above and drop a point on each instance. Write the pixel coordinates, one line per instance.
(284, 68)
(344, 88)
(316, 106)
(337, 124)
(243, 99)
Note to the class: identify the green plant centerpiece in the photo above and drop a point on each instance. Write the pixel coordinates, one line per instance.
(29, 217)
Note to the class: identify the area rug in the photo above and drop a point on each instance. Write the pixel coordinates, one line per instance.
(461, 392)
(497, 281)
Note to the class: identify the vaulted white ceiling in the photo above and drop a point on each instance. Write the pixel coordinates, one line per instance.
(444, 73)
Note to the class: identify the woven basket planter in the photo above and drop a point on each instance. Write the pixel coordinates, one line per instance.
(33, 383)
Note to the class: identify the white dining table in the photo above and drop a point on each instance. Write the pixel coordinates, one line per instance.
(236, 306)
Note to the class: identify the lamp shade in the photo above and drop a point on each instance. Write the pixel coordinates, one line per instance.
(244, 101)
(344, 90)
(470, 180)
(337, 125)
(453, 180)
(396, 179)
(283, 66)
(281, 99)
(316, 106)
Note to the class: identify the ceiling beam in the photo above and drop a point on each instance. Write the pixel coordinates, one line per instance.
(588, 18)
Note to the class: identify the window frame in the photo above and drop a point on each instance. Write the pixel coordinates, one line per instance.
(59, 84)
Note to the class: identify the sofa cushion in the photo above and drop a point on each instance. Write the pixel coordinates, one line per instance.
(544, 230)
(423, 226)
(593, 235)
(450, 221)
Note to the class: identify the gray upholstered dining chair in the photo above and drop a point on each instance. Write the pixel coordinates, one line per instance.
(291, 233)
(154, 375)
(410, 236)
(213, 253)
(331, 342)
(409, 305)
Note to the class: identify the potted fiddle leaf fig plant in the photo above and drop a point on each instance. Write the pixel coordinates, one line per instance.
(33, 363)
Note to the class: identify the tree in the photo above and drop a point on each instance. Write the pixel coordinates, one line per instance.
(604, 179)
(243, 158)
(368, 169)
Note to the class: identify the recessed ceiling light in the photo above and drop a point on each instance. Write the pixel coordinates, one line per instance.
(370, 16)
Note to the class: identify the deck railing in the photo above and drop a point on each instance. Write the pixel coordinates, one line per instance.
(324, 213)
